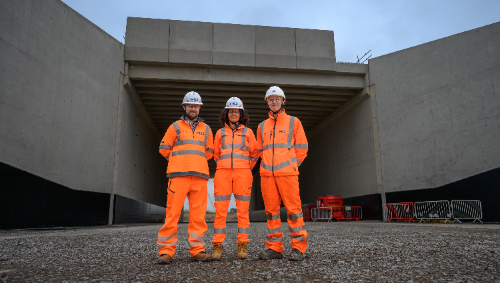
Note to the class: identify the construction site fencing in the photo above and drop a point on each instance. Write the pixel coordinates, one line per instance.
(466, 209)
(351, 213)
(321, 213)
(433, 210)
(399, 211)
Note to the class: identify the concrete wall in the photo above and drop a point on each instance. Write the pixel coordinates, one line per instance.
(168, 41)
(341, 159)
(438, 110)
(60, 86)
(141, 168)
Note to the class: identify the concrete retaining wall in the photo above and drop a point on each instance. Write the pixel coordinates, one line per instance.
(438, 110)
(60, 85)
(341, 156)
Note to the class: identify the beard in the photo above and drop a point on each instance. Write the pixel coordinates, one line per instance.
(192, 115)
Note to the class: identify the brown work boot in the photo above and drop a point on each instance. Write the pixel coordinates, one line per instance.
(296, 255)
(217, 253)
(242, 250)
(201, 256)
(164, 259)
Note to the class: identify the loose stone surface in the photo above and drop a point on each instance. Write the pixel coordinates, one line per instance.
(366, 251)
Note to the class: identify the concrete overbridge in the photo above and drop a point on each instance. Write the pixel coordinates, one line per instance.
(83, 114)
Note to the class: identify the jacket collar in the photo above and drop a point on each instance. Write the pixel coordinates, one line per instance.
(239, 127)
(281, 113)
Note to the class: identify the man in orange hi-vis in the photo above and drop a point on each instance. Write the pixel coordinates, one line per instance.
(235, 152)
(187, 145)
(282, 145)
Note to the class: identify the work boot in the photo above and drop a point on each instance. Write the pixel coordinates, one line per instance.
(217, 253)
(270, 254)
(201, 256)
(296, 255)
(164, 259)
(242, 250)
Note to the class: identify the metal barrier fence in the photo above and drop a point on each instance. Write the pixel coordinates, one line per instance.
(321, 213)
(433, 210)
(398, 211)
(467, 209)
(351, 213)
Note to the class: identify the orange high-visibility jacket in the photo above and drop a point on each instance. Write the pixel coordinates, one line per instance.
(187, 151)
(235, 149)
(282, 145)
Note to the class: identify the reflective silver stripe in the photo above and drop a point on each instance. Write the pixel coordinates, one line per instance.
(276, 145)
(295, 216)
(193, 142)
(262, 131)
(207, 132)
(243, 230)
(290, 130)
(295, 229)
(190, 173)
(274, 231)
(299, 162)
(191, 152)
(177, 130)
(298, 238)
(166, 238)
(195, 236)
(170, 244)
(193, 244)
(254, 158)
(239, 146)
(243, 143)
(165, 146)
(211, 150)
(279, 166)
(274, 239)
(224, 156)
(300, 146)
(223, 135)
(239, 156)
(273, 216)
(219, 230)
(242, 197)
(222, 197)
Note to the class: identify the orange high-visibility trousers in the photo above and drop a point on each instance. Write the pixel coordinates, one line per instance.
(195, 188)
(286, 188)
(227, 182)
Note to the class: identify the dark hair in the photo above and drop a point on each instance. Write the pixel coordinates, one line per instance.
(224, 119)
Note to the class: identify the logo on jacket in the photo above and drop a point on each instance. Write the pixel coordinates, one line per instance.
(201, 133)
(282, 132)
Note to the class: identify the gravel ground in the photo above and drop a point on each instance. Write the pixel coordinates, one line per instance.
(366, 251)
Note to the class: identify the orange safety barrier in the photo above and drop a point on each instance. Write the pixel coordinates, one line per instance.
(399, 211)
(350, 213)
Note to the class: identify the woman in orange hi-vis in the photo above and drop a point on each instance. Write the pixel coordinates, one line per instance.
(235, 152)
(187, 145)
(282, 145)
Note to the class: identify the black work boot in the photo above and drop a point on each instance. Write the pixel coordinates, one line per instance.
(296, 255)
(270, 254)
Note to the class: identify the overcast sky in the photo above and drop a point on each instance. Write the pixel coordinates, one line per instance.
(382, 26)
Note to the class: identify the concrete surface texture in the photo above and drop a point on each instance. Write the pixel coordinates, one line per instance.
(169, 41)
(438, 110)
(341, 157)
(338, 252)
(60, 81)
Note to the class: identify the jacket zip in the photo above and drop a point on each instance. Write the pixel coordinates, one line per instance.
(274, 134)
(232, 149)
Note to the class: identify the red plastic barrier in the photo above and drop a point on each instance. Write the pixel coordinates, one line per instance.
(396, 211)
(355, 213)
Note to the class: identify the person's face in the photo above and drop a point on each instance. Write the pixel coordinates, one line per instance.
(192, 111)
(234, 115)
(274, 103)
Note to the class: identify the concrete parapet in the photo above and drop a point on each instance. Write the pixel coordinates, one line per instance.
(234, 45)
(190, 42)
(147, 40)
(315, 49)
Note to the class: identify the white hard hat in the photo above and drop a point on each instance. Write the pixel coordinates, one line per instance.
(275, 90)
(192, 97)
(234, 102)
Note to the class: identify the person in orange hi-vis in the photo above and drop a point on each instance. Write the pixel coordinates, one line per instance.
(282, 145)
(187, 145)
(235, 151)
